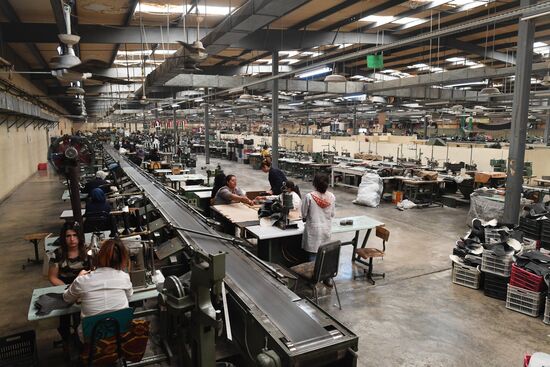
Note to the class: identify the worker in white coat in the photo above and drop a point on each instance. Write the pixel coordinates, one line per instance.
(317, 213)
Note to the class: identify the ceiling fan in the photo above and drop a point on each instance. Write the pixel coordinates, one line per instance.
(193, 53)
(68, 67)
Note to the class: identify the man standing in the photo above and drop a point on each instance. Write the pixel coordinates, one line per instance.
(276, 177)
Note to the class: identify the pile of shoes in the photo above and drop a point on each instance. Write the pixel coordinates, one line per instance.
(501, 240)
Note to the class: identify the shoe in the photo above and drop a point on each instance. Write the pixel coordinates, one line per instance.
(327, 283)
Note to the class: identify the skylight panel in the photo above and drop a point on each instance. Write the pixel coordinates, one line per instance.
(311, 53)
(163, 9)
(377, 19)
(290, 61)
(467, 4)
(407, 20)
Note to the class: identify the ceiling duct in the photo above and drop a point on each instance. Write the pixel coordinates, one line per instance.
(251, 16)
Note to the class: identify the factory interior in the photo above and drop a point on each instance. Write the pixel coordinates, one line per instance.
(275, 183)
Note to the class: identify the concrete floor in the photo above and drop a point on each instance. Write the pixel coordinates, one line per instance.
(413, 317)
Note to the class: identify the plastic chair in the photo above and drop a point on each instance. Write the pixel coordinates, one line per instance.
(371, 253)
(106, 325)
(19, 350)
(324, 268)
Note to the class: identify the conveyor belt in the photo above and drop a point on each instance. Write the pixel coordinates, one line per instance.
(291, 320)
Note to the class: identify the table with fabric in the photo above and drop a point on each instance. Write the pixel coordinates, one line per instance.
(235, 217)
(139, 294)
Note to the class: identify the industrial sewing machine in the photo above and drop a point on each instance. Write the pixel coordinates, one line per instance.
(286, 206)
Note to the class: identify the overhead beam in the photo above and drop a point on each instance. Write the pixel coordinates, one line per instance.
(57, 8)
(10, 13)
(291, 39)
(127, 19)
(89, 33)
(480, 51)
(263, 39)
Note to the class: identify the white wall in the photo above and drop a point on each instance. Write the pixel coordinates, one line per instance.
(20, 152)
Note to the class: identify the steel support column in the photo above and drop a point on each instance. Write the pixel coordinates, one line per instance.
(547, 126)
(174, 121)
(206, 134)
(354, 132)
(275, 111)
(518, 131)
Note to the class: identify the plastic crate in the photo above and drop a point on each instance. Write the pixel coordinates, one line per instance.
(546, 318)
(467, 276)
(523, 279)
(18, 350)
(524, 301)
(492, 235)
(499, 265)
(495, 286)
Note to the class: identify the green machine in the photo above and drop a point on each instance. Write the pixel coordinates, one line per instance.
(499, 165)
(187, 313)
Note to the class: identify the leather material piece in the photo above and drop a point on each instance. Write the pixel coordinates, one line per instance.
(48, 302)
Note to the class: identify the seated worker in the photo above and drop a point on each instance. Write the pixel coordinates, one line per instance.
(154, 155)
(219, 182)
(276, 177)
(265, 151)
(290, 187)
(69, 260)
(97, 208)
(230, 193)
(98, 181)
(108, 288)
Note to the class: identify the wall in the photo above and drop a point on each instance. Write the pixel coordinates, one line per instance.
(20, 152)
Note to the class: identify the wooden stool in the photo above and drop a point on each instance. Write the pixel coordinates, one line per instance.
(35, 238)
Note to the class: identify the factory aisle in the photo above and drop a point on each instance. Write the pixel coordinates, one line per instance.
(413, 317)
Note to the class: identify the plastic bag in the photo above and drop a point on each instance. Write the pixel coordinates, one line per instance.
(405, 204)
(370, 190)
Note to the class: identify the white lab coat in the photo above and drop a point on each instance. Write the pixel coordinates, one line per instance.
(318, 221)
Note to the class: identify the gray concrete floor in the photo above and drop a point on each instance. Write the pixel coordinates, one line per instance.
(413, 317)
